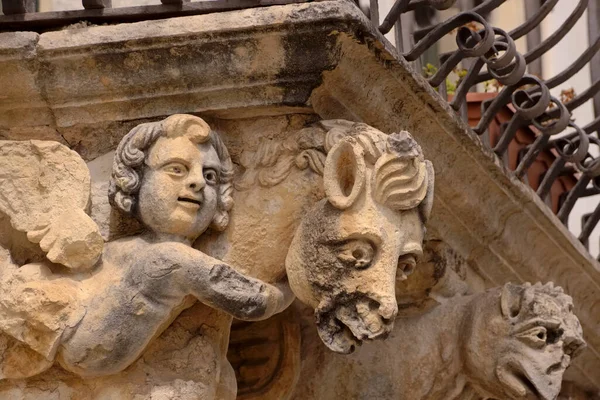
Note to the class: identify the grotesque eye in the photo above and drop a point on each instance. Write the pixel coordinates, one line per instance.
(210, 176)
(554, 335)
(175, 169)
(534, 337)
(406, 266)
(357, 253)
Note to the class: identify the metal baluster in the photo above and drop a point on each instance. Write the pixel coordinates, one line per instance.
(174, 1)
(10, 7)
(374, 12)
(96, 4)
(534, 38)
(594, 33)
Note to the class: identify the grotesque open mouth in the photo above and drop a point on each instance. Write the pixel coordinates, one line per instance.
(522, 386)
(189, 200)
(344, 326)
(533, 392)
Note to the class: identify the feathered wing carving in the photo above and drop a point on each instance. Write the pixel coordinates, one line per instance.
(45, 192)
(44, 195)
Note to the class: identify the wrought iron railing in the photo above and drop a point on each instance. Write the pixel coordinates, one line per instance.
(485, 53)
(22, 14)
(489, 53)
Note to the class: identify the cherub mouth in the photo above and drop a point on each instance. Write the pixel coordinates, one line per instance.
(188, 200)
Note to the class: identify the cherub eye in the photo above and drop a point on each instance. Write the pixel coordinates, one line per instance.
(357, 253)
(176, 169)
(210, 176)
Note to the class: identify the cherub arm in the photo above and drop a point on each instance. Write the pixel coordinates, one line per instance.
(244, 297)
(220, 286)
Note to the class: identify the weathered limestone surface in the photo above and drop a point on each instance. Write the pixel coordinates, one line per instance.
(265, 75)
(512, 342)
(500, 226)
(265, 356)
(187, 359)
(98, 324)
(45, 193)
(175, 177)
(352, 247)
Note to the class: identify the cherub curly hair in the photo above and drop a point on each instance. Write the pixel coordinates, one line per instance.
(128, 165)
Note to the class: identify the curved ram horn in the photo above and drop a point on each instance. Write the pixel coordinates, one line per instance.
(427, 203)
(344, 174)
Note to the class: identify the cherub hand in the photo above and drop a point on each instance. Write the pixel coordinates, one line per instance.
(279, 298)
(72, 240)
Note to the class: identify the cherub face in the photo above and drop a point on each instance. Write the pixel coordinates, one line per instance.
(179, 191)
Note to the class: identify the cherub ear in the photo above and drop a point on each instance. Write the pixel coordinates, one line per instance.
(220, 221)
(344, 174)
(510, 300)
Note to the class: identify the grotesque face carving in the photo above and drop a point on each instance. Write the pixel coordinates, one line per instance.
(179, 192)
(351, 248)
(523, 351)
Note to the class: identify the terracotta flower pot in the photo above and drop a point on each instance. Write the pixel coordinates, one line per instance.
(518, 146)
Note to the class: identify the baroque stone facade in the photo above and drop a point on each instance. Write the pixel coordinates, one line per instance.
(268, 204)
(335, 208)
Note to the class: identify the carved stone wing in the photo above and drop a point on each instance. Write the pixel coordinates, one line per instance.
(44, 192)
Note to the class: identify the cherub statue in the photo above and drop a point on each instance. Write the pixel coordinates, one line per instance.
(174, 176)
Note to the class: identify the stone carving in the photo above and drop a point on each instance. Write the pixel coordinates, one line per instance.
(511, 342)
(353, 246)
(174, 176)
(44, 192)
(349, 243)
(265, 356)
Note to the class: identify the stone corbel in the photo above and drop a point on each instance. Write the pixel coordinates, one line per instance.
(175, 177)
(511, 342)
(352, 246)
(352, 259)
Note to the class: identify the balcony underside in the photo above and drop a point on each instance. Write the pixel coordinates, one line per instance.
(87, 86)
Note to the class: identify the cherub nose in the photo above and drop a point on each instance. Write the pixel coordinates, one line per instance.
(196, 186)
(196, 181)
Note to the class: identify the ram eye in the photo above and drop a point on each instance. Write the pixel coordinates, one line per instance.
(210, 176)
(357, 253)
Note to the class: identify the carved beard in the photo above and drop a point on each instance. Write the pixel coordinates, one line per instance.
(344, 321)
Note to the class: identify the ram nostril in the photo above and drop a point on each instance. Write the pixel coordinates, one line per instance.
(388, 312)
(407, 269)
(406, 265)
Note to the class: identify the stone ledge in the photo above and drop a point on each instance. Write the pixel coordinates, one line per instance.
(321, 56)
(272, 57)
